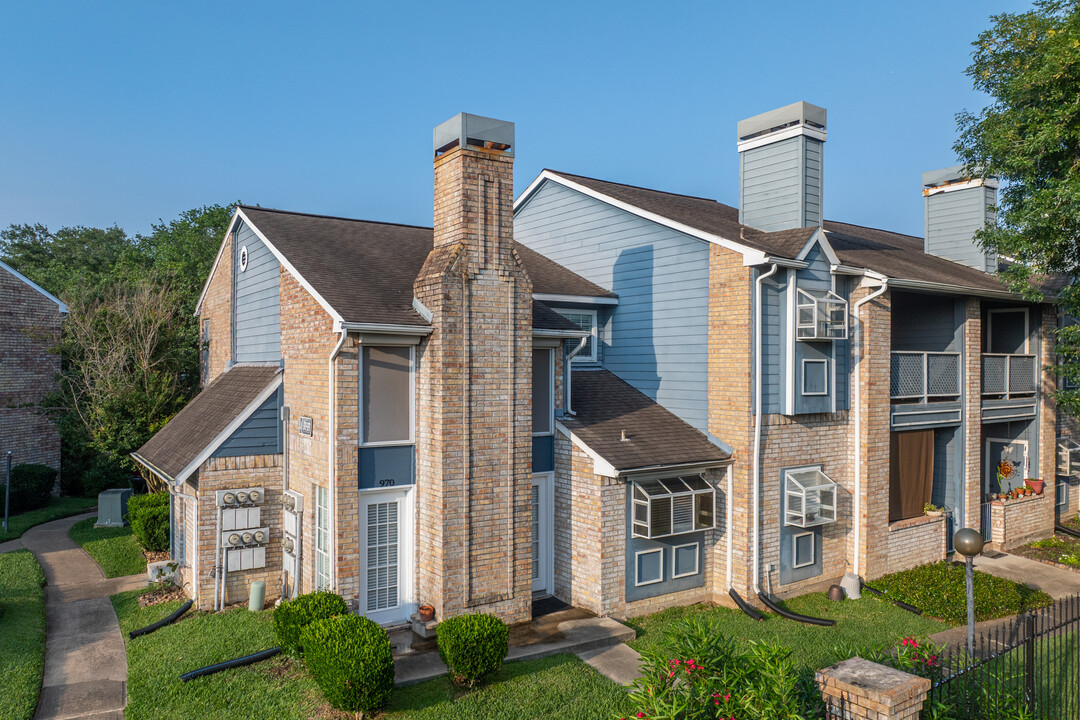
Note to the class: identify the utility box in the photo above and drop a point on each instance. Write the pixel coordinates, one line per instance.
(112, 506)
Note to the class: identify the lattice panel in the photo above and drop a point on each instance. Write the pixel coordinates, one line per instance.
(993, 374)
(942, 375)
(1021, 374)
(907, 375)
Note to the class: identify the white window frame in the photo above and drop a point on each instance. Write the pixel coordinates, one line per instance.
(551, 392)
(594, 355)
(637, 566)
(360, 397)
(802, 384)
(1067, 447)
(322, 581)
(787, 507)
(243, 258)
(803, 299)
(990, 328)
(647, 503)
(795, 564)
(697, 560)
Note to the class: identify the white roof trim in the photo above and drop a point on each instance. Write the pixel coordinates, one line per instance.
(750, 255)
(819, 238)
(386, 329)
(600, 465)
(951, 289)
(545, 332)
(224, 435)
(770, 138)
(220, 252)
(48, 295)
(579, 299)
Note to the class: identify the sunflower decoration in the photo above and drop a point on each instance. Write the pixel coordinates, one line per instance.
(1005, 469)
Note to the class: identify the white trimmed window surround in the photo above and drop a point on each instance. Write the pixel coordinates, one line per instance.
(685, 560)
(586, 320)
(673, 506)
(648, 567)
(820, 315)
(809, 497)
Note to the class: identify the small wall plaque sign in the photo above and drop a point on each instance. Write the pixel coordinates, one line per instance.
(304, 426)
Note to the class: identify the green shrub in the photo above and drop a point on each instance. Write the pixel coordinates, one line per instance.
(351, 660)
(940, 590)
(148, 516)
(472, 646)
(105, 473)
(31, 487)
(291, 617)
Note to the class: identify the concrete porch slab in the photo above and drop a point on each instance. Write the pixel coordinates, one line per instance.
(619, 663)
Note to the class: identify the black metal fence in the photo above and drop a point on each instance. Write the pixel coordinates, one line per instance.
(1028, 666)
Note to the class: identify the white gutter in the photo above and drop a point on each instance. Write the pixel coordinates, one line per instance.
(857, 424)
(567, 374)
(727, 527)
(757, 427)
(331, 460)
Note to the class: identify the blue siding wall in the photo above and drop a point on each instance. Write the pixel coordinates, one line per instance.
(774, 340)
(947, 488)
(260, 434)
(657, 338)
(951, 221)
(925, 323)
(780, 184)
(256, 301)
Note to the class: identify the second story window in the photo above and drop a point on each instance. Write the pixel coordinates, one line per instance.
(820, 315)
(586, 320)
(386, 395)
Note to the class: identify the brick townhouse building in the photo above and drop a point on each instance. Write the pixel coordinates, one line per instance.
(30, 321)
(620, 397)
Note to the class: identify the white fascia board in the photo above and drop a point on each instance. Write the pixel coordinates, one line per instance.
(750, 255)
(422, 309)
(680, 468)
(152, 468)
(819, 238)
(542, 332)
(380, 328)
(577, 299)
(224, 435)
(950, 289)
(770, 138)
(600, 465)
(962, 185)
(782, 262)
(48, 295)
(292, 270)
(217, 260)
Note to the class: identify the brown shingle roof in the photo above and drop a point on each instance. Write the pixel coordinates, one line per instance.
(892, 254)
(606, 405)
(365, 270)
(179, 443)
(544, 318)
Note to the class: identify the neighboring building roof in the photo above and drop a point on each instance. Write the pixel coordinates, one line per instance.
(894, 255)
(365, 270)
(605, 406)
(178, 449)
(22, 278)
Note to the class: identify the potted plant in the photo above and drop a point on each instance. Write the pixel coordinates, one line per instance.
(932, 510)
(1035, 484)
(427, 613)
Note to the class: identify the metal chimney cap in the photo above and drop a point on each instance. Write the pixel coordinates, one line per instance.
(465, 129)
(797, 114)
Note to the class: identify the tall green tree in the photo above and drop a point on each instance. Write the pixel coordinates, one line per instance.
(1028, 136)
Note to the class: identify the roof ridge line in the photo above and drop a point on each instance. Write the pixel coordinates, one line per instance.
(638, 187)
(335, 217)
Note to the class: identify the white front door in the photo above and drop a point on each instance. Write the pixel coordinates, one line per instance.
(386, 556)
(543, 507)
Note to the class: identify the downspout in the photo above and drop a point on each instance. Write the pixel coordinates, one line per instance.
(567, 374)
(727, 527)
(757, 426)
(857, 424)
(331, 438)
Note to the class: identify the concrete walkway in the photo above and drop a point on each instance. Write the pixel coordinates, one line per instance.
(1056, 582)
(85, 660)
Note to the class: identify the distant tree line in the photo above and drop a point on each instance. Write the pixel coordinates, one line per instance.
(130, 345)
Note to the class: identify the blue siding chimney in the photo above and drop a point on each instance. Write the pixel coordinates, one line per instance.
(956, 206)
(780, 168)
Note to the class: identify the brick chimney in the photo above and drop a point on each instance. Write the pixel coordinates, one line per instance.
(956, 206)
(781, 153)
(474, 430)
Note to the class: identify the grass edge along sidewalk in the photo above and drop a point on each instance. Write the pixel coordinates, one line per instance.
(115, 549)
(57, 509)
(22, 633)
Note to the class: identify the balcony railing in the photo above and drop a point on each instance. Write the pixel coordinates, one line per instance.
(925, 375)
(1008, 375)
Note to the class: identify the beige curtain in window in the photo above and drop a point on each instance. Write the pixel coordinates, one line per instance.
(911, 473)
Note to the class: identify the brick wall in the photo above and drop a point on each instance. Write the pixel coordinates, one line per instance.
(29, 334)
(916, 541)
(1048, 410)
(973, 448)
(216, 310)
(1019, 521)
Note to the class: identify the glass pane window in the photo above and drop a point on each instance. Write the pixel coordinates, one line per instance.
(672, 506)
(586, 320)
(386, 394)
(543, 396)
(382, 556)
(809, 497)
(820, 315)
(322, 539)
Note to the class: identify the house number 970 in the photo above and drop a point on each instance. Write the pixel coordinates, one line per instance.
(386, 483)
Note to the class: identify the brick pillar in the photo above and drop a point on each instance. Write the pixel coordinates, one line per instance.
(474, 434)
(1048, 410)
(874, 380)
(858, 688)
(731, 287)
(973, 484)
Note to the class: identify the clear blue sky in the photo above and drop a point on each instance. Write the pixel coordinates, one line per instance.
(124, 113)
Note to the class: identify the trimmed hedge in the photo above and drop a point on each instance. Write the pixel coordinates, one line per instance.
(940, 590)
(31, 488)
(148, 516)
(472, 646)
(351, 660)
(292, 616)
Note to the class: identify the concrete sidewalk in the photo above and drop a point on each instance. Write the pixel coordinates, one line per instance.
(85, 660)
(1054, 581)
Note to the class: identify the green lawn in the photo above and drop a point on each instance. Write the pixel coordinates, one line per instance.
(115, 549)
(57, 508)
(22, 634)
(867, 621)
(280, 689)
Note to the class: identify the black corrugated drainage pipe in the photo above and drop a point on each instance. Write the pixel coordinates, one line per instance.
(751, 611)
(898, 603)
(1066, 530)
(161, 623)
(238, 662)
(791, 615)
